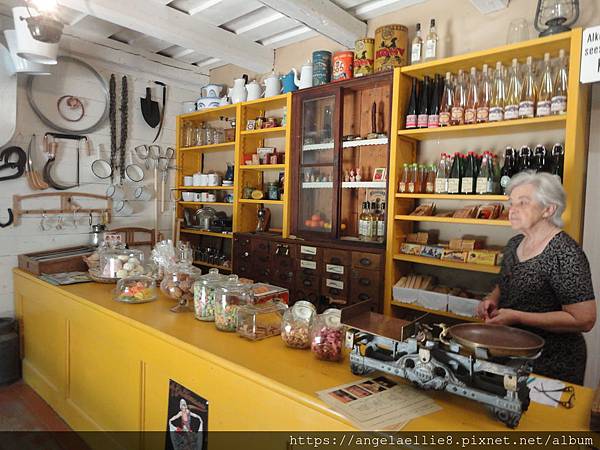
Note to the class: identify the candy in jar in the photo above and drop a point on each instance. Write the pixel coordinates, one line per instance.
(178, 282)
(204, 295)
(295, 328)
(229, 297)
(327, 335)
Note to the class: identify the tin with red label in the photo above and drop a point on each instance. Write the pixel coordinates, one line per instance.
(342, 65)
(363, 57)
(391, 44)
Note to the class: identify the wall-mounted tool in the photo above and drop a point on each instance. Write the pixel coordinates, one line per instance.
(150, 109)
(13, 158)
(11, 219)
(35, 179)
(51, 148)
(162, 112)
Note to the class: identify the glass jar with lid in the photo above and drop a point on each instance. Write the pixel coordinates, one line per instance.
(229, 297)
(179, 279)
(297, 320)
(118, 262)
(260, 321)
(136, 289)
(327, 335)
(204, 294)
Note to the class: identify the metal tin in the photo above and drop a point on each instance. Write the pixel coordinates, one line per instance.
(273, 190)
(391, 47)
(364, 57)
(321, 67)
(342, 65)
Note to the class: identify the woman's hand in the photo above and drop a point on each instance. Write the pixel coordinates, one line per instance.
(486, 309)
(504, 316)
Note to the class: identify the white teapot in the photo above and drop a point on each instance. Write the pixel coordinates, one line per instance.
(306, 73)
(254, 91)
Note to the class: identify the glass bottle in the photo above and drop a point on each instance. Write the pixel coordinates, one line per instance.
(447, 101)
(496, 170)
(472, 98)
(469, 178)
(363, 222)
(559, 99)
(525, 158)
(481, 185)
(373, 222)
(430, 179)
(460, 99)
(431, 42)
(558, 160)
(423, 117)
(229, 297)
(455, 175)
(546, 90)
(441, 176)
(412, 178)
(498, 95)
(539, 158)
(508, 168)
(403, 184)
(528, 92)
(484, 96)
(416, 49)
(434, 104)
(296, 324)
(204, 295)
(381, 223)
(413, 103)
(327, 335)
(513, 94)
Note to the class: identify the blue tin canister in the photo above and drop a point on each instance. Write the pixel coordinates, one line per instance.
(321, 67)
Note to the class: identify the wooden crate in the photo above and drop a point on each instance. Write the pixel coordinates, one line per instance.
(31, 262)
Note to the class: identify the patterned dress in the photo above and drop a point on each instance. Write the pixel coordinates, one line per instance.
(558, 276)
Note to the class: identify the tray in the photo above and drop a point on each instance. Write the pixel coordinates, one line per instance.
(68, 259)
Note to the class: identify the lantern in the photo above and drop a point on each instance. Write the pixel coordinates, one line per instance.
(555, 16)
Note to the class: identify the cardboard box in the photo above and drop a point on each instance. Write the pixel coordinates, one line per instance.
(454, 255)
(433, 300)
(404, 295)
(432, 251)
(411, 249)
(462, 306)
(483, 257)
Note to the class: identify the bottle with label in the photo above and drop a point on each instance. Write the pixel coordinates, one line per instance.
(546, 90)
(441, 175)
(481, 186)
(508, 169)
(558, 160)
(412, 178)
(413, 105)
(528, 92)
(484, 96)
(513, 94)
(421, 174)
(447, 101)
(364, 224)
(469, 178)
(525, 159)
(455, 175)
(430, 179)
(434, 104)
(498, 95)
(373, 222)
(559, 99)
(539, 159)
(460, 99)
(472, 98)
(403, 184)
(496, 170)
(423, 115)
(416, 49)
(381, 223)
(431, 42)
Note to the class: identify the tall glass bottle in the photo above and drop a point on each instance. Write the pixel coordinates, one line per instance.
(412, 178)
(434, 103)
(546, 90)
(508, 168)
(528, 92)
(513, 94)
(559, 99)
(416, 49)
(430, 179)
(484, 96)
(525, 162)
(558, 160)
(441, 175)
(481, 186)
(381, 222)
(431, 42)
(455, 175)
(373, 222)
(447, 101)
(472, 98)
(413, 105)
(403, 184)
(423, 116)
(460, 100)
(498, 95)
(539, 159)
(469, 178)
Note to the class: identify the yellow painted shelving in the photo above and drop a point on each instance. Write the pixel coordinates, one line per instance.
(436, 312)
(206, 188)
(205, 203)
(264, 131)
(262, 166)
(207, 233)
(210, 148)
(258, 202)
(483, 198)
(502, 223)
(447, 264)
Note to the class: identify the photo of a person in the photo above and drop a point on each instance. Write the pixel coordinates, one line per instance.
(187, 419)
(358, 391)
(342, 396)
(373, 387)
(386, 382)
(185, 416)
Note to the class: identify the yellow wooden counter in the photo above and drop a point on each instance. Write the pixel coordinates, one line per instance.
(105, 365)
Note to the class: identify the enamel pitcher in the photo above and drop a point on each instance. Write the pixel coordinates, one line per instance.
(289, 81)
(238, 92)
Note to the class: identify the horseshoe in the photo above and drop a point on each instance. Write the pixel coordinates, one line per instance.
(6, 163)
(11, 219)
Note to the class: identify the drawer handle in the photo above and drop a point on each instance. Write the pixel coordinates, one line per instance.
(364, 281)
(308, 271)
(365, 261)
(335, 276)
(246, 254)
(364, 297)
(307, 283)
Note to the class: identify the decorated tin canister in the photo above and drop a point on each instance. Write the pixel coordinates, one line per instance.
(321, 67)
(342, 65)
(363, 57)
(391, 42)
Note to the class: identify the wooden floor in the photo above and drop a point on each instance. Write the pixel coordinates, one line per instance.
(21, 409)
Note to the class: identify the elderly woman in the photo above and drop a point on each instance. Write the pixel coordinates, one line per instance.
(545, 285)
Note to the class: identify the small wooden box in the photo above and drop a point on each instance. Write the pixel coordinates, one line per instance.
(229, 134)
(56, 261)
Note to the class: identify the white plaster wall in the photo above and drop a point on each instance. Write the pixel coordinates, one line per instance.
(28, 237)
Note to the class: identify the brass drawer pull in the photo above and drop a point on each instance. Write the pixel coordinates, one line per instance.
(365, 261)
(364, 281)
(364, 296)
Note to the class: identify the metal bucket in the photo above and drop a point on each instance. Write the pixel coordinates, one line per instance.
(10, 359)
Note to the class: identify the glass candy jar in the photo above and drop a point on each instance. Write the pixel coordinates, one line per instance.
(119, 262)
(297, 320)
(136, 289)
(204, 294)
(178, 282)
(260, 321)
(327, 335)
(229, 297)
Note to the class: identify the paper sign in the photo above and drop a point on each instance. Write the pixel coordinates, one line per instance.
(590, 55)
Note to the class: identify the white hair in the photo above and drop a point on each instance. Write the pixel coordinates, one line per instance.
(548, 191)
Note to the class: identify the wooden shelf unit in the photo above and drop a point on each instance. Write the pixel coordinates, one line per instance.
(405, 148)
(206, 233)
(435, 312)
(454, 220)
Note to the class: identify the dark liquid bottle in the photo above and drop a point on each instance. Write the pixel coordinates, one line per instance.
(434, 103)
(525, 162)
(508, 169)
(411, 112)
(454, 181)
(470, 175)
(558, 160)
(539, 159)
(423, 117)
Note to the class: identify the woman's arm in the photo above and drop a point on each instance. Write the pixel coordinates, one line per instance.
(176, 416)
(489, 304)
(576, 317)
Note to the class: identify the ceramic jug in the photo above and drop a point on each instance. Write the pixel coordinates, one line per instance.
(211, 90)
(288, 81)
(254, 92)
(272, 85)
(224, 101)
(306, 75)
(238, 93)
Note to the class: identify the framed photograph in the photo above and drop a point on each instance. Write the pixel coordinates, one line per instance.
(379, 174)
(251, 124)
(187, 421)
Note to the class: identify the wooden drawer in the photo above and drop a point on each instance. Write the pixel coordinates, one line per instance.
(335, 287)
(357, 296)
(337, 257)
(243, 269)
(312, 296)
(283, 278)
(370, 261)
(308, 267)
(283, 250)
(308, 282)
(262, 273)
(261, 245)
(365, 279)
(261, 259)
(309, 253)
(244, 242)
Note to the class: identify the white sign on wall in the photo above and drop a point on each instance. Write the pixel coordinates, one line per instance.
(590, 55)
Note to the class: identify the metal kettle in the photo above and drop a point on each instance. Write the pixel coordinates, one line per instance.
(204, 217)
(97, 234)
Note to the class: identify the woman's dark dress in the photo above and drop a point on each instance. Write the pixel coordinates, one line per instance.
(560, 275)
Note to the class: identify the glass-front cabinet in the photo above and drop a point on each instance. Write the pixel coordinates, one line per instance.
(341, 154)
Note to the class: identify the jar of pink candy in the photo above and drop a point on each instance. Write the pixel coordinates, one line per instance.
(327, 335)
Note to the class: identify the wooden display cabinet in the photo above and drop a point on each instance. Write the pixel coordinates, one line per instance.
(337, 129)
